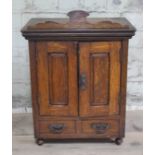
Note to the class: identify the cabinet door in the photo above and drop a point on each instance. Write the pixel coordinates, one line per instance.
(99, 78)
(57, 78)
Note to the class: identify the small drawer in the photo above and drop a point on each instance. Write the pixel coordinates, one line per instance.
(57, 127)
(108, 127)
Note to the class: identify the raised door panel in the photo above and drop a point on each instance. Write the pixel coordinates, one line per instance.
(57, 78)
(100, 67)
(99, 77)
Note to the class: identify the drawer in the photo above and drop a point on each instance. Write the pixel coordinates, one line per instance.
(57, 127)
(108, 127)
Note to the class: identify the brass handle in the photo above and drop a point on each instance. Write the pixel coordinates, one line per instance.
(100, 127)
(56, 128)
(82, 81)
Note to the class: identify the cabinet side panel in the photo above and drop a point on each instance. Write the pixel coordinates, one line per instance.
(124, 62)
(33, 71)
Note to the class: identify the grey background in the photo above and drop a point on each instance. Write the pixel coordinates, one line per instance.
(23, 10)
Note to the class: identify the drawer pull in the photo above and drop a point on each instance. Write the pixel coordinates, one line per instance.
(100, 127)
(56, 128)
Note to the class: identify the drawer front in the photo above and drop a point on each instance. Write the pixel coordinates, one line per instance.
(107, 127)
(57, 127)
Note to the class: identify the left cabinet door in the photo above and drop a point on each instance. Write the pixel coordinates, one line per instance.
(57, 78)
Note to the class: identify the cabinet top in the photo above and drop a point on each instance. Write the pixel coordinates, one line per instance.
(77, 25)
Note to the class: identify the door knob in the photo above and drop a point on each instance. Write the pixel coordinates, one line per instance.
(82, 81)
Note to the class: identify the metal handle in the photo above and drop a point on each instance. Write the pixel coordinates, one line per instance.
(82, 81)
(100, 127)
(56, 128)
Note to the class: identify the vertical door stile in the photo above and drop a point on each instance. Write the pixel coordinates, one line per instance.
(115, 77)
(78, 75)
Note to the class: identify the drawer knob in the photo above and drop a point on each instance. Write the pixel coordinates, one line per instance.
(100, 127)
(56, 128)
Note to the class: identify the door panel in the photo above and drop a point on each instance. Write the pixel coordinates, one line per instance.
(57, 78)
(99, 77)
(58, 87)
(100, 63)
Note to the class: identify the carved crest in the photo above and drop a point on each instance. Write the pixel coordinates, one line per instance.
(77, 20)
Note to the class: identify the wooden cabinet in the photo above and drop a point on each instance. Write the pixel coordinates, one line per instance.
(78, 76)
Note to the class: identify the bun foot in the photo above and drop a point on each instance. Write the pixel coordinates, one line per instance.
(39, 141)
(118, 141)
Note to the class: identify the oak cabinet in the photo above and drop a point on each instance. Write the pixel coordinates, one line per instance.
(78, 76)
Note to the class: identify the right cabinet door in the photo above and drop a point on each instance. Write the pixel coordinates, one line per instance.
(99, 78)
